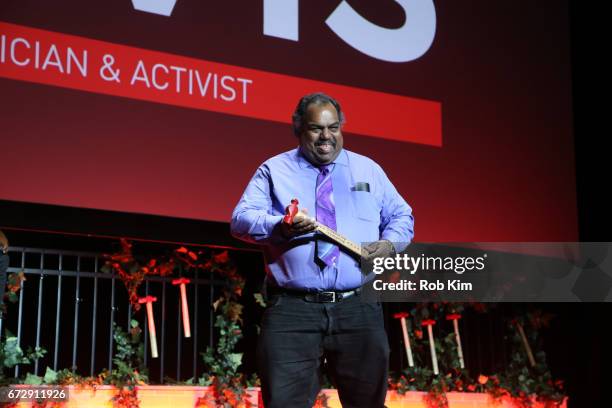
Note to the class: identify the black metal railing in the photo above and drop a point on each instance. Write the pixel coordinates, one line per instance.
(67, 305)
(62, 284)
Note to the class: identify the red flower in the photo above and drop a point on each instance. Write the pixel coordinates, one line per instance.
(471, 387)
(125, 244)
(482, 379)
(192, 256)
(221, 258)
(479, 307)
(182, 250)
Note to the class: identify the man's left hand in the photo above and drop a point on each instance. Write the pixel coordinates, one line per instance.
(378, 249)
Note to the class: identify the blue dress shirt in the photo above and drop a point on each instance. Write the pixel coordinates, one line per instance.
(362, 216)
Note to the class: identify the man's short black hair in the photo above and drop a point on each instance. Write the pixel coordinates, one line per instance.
(318, 98)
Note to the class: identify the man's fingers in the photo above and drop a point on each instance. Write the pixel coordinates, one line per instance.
(302, 219)
(304, 226)
(371, 248)
(372, 255)
(376, 249)
(302, 223)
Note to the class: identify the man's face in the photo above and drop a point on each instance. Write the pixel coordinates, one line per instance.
(321, 137)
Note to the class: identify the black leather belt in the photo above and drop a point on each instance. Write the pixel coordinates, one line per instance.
(329, 296)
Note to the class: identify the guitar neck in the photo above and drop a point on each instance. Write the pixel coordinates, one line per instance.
(339, 239)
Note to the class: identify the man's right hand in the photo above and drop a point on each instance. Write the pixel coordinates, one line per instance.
(302, 224)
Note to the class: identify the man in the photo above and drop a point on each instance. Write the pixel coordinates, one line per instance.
(314, 313)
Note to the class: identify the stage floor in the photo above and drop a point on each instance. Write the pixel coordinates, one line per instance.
(189, 396)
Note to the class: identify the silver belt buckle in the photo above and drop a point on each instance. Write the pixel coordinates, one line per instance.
(327, 297)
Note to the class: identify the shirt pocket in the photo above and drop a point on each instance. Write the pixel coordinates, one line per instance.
(365, 206)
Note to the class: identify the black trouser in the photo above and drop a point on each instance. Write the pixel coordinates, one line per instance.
(296, 335)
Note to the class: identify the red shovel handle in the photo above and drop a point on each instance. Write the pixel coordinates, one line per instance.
(290, 211)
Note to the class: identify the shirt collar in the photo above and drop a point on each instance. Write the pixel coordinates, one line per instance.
(303, 162)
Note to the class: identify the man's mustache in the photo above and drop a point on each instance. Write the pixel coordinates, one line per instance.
(323, 142)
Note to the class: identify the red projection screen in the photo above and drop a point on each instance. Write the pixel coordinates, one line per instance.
(167, 107)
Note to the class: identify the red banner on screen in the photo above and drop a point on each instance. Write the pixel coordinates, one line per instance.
(46, 57)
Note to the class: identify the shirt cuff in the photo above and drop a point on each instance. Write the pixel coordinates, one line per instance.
(272, 225)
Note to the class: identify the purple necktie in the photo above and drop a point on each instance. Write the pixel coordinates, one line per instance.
(327, 252)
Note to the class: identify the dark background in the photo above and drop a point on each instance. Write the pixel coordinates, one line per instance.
(500, 69)
(582, 347)
(577, 344)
